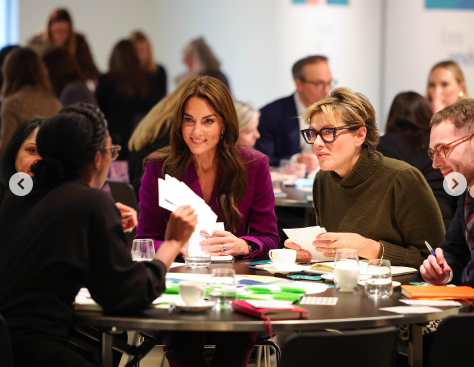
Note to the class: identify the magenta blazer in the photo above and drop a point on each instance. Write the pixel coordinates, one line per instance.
(259, 224)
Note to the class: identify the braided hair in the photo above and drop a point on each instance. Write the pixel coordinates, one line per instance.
(68, 141)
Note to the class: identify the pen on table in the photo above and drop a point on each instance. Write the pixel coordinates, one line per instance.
(298, 300)
(432, 252)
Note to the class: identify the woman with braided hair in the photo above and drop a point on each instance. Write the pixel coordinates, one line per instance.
(67, 234)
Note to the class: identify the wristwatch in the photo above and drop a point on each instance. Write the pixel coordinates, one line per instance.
(252, 246)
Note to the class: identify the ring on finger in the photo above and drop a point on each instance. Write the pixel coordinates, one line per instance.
(224, 249)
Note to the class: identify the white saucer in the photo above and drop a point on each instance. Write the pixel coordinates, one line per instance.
(330, 276)
(284, 269)
(198, 307)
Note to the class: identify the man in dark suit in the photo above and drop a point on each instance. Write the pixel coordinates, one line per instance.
(281, 120)
(452, 150)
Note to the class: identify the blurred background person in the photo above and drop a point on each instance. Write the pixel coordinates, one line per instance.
(60, 33)
(248, 124)
(200, 60)
(66, 77)
(3, 55)
(407, 138)
(152, 133)
(446, 85)
(124, 94)
(148, 63)
(26, 91)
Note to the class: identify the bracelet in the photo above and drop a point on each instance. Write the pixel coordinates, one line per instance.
(383, 249)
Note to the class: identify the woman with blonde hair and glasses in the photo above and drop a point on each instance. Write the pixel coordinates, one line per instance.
(233, 180)
(446, 85)
(382, 207)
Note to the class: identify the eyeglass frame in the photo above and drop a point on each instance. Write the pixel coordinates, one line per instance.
(432, 152)
(334, 129)
(115, 146)
(320, 84)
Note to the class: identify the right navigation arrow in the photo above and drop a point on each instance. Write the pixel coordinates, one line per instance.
(456, 184)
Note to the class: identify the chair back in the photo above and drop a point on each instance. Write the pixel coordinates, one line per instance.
(452, 342)
(6, 355)
(368, 348)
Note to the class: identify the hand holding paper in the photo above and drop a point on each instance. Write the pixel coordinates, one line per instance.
(305, 237)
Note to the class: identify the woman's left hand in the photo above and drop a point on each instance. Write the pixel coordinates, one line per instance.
(330, 242)
(225, 243)
(129, 217)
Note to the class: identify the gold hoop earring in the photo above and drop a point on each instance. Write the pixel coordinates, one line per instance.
(461, 94)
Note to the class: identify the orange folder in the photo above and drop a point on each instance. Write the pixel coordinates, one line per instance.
(438, 292)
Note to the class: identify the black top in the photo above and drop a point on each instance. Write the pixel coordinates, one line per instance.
(56, 240)
(394, 145)
(135, 163)
(122, 113)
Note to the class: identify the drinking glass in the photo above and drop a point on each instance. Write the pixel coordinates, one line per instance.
(346, 269)
(143, 250)
(198, 251)
(378, 282)
(223, 289)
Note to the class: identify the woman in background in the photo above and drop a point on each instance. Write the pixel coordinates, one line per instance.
(152, 133)
(124, 94)
(26, 91)
(60, 33)
(200, 60)
(148, 63)
(407, 138)
(248, 124)
(66, 77)
(233, 180)
(446, 85)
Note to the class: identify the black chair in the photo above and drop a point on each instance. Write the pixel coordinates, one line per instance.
(6, 355)
(452, 342)
(368, 348)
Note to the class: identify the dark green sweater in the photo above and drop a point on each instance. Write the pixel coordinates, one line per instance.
(385, 200)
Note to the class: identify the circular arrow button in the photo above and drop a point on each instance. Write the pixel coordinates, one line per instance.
(455, 184)
(21, 184)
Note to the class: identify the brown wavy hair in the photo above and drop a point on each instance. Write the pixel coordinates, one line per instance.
(231, 171)
(62, 15)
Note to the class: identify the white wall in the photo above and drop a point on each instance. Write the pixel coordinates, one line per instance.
(259, 40)
(417, 38)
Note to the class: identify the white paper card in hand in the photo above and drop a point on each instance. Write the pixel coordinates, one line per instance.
(162, 197)
(305, 237)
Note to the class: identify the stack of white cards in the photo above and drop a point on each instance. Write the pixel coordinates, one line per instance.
(173, 193)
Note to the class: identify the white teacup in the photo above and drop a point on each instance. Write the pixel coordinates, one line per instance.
(192, 292)
(282, 256)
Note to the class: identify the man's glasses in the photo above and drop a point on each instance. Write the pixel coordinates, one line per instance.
(328, 134)
(114, 151)
(320, 85)
(442, 151)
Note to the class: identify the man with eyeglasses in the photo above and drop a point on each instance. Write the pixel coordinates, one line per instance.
(282, 120)
(452, 150)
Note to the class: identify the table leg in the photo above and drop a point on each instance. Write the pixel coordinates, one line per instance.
(415, 354)
(107, 340)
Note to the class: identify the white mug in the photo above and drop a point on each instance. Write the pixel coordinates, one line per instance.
(283, 256)
(192, 292)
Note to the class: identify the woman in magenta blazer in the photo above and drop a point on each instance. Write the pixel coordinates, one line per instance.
(233, 180)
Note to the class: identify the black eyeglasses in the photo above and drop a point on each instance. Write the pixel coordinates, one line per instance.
(114, 151)
(320, 85)
(328, 134)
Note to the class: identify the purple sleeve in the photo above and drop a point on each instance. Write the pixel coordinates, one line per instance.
(153, 219)
(262, 222)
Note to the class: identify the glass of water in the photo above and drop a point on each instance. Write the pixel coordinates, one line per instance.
(378, 282)
(198, 251)
(346, 269)
(143, 250)
(223, 289)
